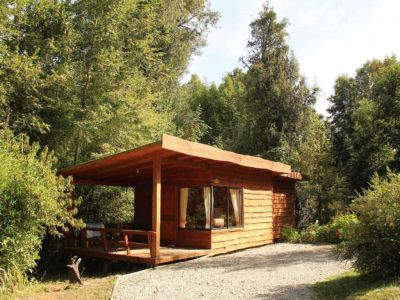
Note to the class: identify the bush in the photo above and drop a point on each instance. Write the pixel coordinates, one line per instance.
(32, 200)
(289, 234)
(374, 242)
(332, 233)
(335, 231)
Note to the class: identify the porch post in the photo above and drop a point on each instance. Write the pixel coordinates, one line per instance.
(156, 206)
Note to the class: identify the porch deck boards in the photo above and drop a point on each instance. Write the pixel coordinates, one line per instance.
(167, 254)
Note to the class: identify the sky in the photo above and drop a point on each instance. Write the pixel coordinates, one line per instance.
(329, 38)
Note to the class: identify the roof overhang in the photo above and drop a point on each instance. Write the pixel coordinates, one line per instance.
(131, 166)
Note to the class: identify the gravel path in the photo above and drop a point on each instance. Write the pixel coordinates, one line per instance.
(278, 271)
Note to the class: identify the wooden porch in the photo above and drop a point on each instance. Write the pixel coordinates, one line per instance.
(121, 245)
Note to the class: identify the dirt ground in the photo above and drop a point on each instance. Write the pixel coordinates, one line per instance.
(92, 288)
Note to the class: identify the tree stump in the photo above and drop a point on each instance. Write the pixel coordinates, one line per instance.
(73, 270)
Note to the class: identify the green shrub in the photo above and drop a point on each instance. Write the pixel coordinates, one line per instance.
(335, 231)
(32, 200)
(374, 242)
(340, 227)
(289, 234)
(310, 234)
(332, 233)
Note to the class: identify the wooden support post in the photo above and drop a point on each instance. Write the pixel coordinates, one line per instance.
(156, 207)
(126, 241)
(104, 240)
(152, 237)
(84, 238)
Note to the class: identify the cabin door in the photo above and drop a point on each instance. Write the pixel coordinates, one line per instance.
(169, 210)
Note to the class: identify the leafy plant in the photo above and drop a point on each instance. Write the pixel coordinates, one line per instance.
(289, 234)
(373, 243)
(33, 200)
(333, 232)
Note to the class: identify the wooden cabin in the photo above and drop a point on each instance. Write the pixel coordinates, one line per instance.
(191, 200)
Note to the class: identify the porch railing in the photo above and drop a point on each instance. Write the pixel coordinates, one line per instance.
(122, 237)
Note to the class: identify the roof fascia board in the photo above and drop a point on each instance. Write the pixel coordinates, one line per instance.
(205, 151)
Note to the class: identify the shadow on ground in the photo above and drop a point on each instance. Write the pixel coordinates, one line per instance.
(351, 285)
(288, 292)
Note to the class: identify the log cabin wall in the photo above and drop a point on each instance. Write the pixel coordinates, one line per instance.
(257, 224)
(268, 205)
(284, 206)
(257, 210)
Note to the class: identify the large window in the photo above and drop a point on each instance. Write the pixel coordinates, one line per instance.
(198, 204)
(195, 208)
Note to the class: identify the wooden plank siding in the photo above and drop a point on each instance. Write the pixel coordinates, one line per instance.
(257, 225)
(284, 206)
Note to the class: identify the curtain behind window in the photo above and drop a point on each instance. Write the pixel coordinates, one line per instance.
(207, 205)
(235, 201)
(183, 207)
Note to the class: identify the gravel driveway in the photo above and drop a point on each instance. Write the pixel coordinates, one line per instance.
(277, 271)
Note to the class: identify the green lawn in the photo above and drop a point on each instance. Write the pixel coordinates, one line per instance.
(352, 285)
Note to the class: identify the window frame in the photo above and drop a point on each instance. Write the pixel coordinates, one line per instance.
(179, 206)
(227, 227)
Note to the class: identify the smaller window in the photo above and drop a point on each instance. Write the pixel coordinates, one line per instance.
(227, 207)
(220, 216)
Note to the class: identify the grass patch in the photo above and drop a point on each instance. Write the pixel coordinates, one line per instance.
(92, 288)
(352, 285)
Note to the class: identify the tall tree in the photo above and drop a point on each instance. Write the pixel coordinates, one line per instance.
(91, 77)
(277, 95)
(368, 145)
(364, 121)
(218, 107)
(348, 91)
(325, 190)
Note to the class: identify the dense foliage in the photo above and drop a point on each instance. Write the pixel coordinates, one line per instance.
(333, 232)
(112, 205)
(324, 192)
(373, 242)
(33, 200)
(365, 121)
(90, 78)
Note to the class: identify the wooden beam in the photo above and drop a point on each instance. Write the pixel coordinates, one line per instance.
(118, 168)
(156, 206)
(173, 163)
(129, 176)
(100, 182)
